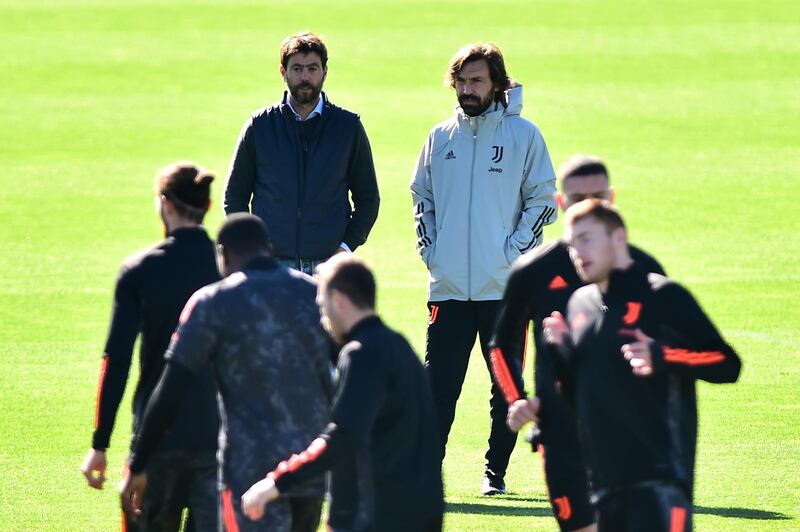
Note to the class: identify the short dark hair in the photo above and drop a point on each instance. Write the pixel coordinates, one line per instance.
(350, 276)
(582, 166)
(475, 52)
(602, 210)
(303, 43)
(243, 235)
(188, 187)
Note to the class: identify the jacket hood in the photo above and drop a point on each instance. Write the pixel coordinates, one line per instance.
(514, 99)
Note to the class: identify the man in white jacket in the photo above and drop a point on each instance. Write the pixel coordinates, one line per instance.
(483, 192)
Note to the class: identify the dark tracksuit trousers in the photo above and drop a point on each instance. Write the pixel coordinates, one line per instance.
(452, 329)
(178, 479)
(651, 506)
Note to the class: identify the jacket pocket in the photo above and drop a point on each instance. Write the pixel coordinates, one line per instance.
(428, 256)
(511, 251)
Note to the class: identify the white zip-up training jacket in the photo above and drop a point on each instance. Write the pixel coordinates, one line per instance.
(483, 192)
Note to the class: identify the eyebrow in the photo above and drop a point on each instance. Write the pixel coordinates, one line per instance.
(575, 236)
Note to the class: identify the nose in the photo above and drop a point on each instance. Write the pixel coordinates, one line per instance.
(578, 253)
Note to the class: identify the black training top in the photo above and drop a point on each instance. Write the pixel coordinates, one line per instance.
(540, 283)
(151, 290)
(260, 330)
(641, 429)
(383, 430)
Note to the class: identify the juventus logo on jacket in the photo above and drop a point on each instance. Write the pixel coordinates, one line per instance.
(498, 154)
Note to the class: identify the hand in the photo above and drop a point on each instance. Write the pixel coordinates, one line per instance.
(522, 411)
(259, 495)
(94, 468)
(555, 329)
(131, 490)
(639, 355)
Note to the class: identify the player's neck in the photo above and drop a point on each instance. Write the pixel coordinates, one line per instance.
(356, 317)
(174, 225)
(622, 263)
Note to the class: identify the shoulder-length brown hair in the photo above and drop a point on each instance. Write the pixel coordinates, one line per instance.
(474, 52)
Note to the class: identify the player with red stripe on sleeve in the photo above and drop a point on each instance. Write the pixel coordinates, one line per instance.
(629, 352)
(541, 282)
(258, 329)
(152, 288)
(381, 444)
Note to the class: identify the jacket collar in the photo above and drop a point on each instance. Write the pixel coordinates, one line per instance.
(289, 116)
(623, 284)
(188, 232)
(317, 108)
(496, 112)
(367, 323)
(323, 97)
(261, 263)
(490, 116)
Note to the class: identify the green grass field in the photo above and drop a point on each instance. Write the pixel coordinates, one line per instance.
(694, 105)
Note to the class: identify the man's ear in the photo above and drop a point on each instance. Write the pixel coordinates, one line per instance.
(167, 205)
(282, 70)
(338, 299)
(620, 237)
(560, 201)
(612, 194)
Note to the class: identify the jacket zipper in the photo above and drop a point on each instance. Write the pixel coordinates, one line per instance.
(469, 211)
(301, 188)
(301, 184)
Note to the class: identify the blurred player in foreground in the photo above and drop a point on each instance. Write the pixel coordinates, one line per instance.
(383, 429)
(152, 288)
(540, 283)
(259, 328)
(629, 352)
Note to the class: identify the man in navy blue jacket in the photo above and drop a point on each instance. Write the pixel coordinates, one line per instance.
(299, 162)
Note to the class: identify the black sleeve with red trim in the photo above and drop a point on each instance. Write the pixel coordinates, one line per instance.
(358, 399)
(126, 318)
(508, 339)
(162, 407)
(692, 346)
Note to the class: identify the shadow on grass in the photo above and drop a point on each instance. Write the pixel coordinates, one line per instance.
(498, 509)
(514, 497)
(742, 513)
(543, 511)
